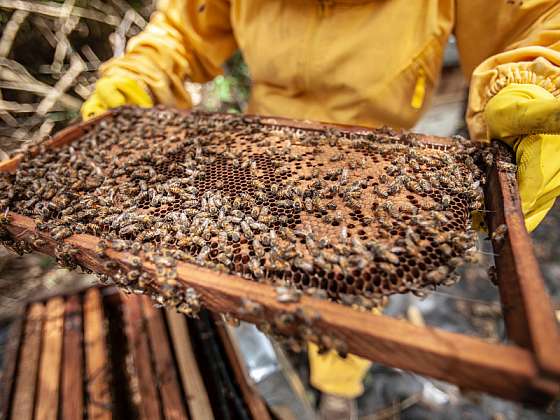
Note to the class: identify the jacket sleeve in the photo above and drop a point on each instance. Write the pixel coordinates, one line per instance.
(503, 42)
(185, 40)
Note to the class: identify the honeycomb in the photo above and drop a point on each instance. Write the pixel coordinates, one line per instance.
(349, 215)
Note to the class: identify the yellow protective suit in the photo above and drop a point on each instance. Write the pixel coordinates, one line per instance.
(365, 62)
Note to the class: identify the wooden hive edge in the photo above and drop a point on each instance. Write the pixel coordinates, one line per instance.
(503, 370)
(537, 360)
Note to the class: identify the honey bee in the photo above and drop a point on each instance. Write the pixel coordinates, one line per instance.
(499, 233)
(439, 218)
(438, 275)
(255, 268)
(284, 320)
(303, 264)
(101, 247)
(233, 234)
(247, 231)
(248, 307)
(343, 180)
(258, 248)
(493, 275)
(223, 259)
(308, 203)
(287, 295)
(380, 192)
(425, 185)
(385, 254)
(61, 233)
(446, 249)
(135, 262)
(257, 184)
(110, 265)
(324, 242)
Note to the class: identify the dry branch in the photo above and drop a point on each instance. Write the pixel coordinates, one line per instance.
(14, 76)
(63, 46)
(55, 10)
(11, 30)
(63, 84)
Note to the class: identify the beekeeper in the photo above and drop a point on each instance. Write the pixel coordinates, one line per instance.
(362, 62)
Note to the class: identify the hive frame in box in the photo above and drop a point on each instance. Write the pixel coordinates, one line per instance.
(76, 383)
(525, 369)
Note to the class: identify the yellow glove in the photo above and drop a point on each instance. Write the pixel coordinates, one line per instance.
(112, 92)
(332, 374)
(527, 117)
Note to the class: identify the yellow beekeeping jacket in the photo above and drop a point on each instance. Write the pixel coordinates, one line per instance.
(364, 62)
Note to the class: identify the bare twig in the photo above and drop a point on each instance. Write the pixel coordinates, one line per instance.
(54, 9)
(119, 42)
(14, 76)
(68, 23)
(73, 72)
(10, 31)
(77, 66)
(47, 69)
(94, 60)
(44, 130)
(16, 106)
(135, 16)
(41, 23)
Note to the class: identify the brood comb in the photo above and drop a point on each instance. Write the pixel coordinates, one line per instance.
(352, 215)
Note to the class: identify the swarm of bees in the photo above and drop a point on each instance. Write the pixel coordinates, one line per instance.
(346, 215)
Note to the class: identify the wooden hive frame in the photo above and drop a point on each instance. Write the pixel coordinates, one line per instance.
(526, 368)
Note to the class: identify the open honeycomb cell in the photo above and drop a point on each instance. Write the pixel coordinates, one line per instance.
(355, 214)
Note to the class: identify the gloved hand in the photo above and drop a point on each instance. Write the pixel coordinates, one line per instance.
(114, 91)
(527, 117)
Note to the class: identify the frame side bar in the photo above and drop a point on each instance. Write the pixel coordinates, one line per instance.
(528, 311)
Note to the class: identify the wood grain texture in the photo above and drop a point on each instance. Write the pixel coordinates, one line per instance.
(527, 311)
(72, 392)
(193, 385)
(253, 400)
(168, 384)
(9, 364)
(469, 362)
(527, 374)
(149, 406)
(99, 403)
(28, 368)
(50, 362)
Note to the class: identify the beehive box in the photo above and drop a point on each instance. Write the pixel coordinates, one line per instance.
(265, 220)
(100, 354)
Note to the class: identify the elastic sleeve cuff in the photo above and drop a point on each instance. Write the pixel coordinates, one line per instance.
(530, 65)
